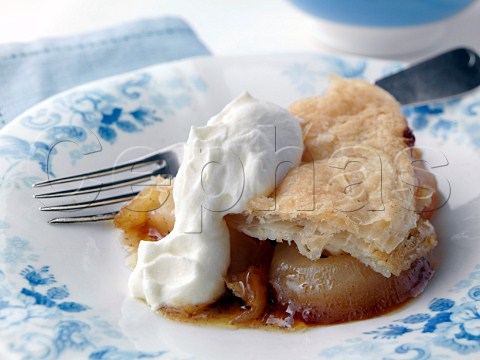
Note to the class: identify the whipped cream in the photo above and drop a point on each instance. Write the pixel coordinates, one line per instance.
(240, 154)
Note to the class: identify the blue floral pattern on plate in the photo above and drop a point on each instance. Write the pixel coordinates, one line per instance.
(448, 324)
(43, 317)
(88, 118)
(307, 76)
(38, 318)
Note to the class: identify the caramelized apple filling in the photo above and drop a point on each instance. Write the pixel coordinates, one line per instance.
(339, 288)
(271, 283)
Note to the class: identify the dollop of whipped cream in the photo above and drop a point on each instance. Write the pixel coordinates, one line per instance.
(241, 153)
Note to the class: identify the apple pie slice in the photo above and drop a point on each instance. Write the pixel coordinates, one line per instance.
(356, 191)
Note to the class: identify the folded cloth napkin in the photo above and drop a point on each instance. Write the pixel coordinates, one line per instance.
(34, 71)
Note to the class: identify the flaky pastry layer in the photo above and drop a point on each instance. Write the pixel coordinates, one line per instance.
(356, 191)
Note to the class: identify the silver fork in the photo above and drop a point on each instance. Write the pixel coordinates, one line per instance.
(165, 162)
(446, 75)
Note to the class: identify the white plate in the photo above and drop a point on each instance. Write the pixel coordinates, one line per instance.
(64, 288)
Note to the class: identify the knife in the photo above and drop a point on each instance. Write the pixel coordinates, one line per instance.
(448, 75)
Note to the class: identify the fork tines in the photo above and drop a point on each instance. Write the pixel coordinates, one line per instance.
(166, 162)
(109, 171)
(81, 219)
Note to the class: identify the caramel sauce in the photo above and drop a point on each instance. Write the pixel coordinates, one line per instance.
(230, 310)
(275, 318)
(224, 312)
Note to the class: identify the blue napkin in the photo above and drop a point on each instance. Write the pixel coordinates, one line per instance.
(34, 71)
